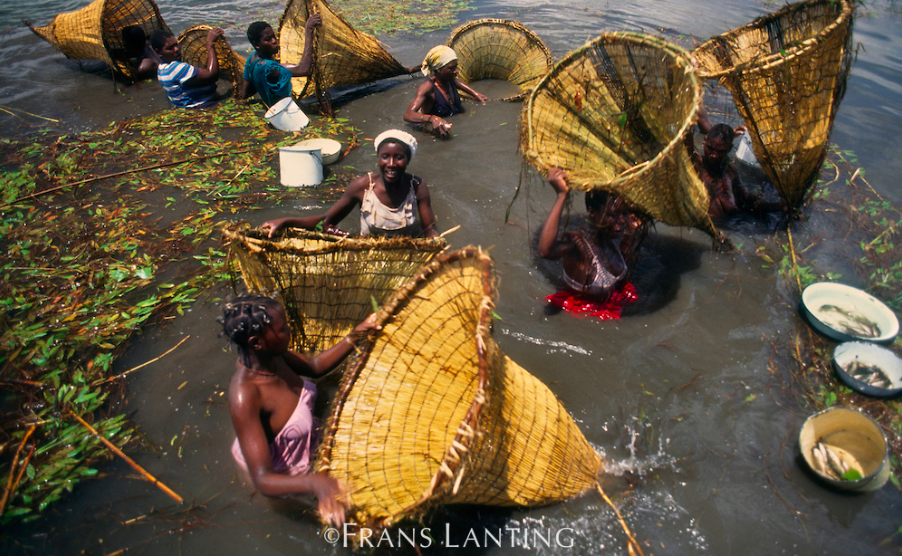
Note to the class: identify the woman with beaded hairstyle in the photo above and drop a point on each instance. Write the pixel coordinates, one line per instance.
(271, 403)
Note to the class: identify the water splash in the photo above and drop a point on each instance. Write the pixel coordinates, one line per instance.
(640, 462)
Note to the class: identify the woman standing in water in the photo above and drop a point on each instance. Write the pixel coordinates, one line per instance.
(389, 201)
(271, 403)
(438, 98)
(596, 257)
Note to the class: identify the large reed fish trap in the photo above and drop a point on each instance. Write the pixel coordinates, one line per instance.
(502, 50)
(95, 31)
(430, 411)
(787, 73)
(193, 44)
(615, 115)
(342, 55)
(327, 284)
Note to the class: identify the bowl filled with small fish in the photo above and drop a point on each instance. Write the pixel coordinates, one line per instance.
(868, 368)
(846, 449)
(844, 313)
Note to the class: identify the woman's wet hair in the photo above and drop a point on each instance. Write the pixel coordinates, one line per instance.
(255, 32)
(246, 316)
(134, 37)
(723, 132)
(597, 200)
(398, 142)
(158, 39)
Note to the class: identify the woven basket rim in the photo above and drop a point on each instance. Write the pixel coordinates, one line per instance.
(451, 464)
(507, 23)
(770, 61)
(244, 232)
(680, 55)
(533, 38)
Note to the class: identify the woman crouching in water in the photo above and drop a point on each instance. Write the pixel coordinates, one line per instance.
(271, 404)
(595, 258)
(390, 201)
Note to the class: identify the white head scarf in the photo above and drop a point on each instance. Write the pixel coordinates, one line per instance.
(436, 58)
(400, 135)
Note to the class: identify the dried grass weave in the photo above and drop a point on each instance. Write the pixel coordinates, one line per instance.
(325, 282)
(95, 31)
(342, 55)
(431, 412)
(193, 44)
(787, 72)
(614, 115)
(502, 50)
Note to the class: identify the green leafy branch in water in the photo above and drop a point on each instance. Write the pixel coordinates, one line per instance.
(91, 255)
(415, 17)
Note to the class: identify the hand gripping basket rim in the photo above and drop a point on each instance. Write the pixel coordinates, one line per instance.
(681, 57)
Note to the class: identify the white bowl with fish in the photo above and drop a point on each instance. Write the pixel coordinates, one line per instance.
(845, 449)
(845, 313)
(868, 368)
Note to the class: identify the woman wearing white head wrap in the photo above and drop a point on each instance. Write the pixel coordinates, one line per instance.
(438, 98)
(390, 200)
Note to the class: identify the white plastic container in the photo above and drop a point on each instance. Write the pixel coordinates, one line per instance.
(286, 115)
(300, 166)
(744, 150)
(331, 149)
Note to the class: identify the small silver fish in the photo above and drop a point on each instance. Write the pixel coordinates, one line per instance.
(834, 461)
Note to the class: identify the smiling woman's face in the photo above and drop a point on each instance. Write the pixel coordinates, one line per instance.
(393, 159)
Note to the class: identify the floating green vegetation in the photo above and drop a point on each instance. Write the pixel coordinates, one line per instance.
(101, 234)
(803, 360)
(415, 17)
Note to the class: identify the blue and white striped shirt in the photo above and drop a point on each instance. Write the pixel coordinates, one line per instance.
(173, 75)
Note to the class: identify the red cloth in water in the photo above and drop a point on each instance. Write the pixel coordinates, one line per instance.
(578, 304)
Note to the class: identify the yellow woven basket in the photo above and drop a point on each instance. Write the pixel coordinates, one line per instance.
(95, 31)
(431, 412)
(342, 55)
(193, 44)
(615, 114)
(326, 283)
(502, 50)
(787, 72)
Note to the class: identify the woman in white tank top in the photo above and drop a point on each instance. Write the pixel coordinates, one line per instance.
(390, 200)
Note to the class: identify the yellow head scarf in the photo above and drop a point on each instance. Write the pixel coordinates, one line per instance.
(436, 58)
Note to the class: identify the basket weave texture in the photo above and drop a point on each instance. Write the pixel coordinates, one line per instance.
(193, 44)
(502, 50)
(326, 283)
(95, 31)
(430, 411)
(787, 72)
(342, 55)
(614, 114)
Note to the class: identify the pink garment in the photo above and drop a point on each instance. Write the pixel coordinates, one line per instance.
(294, 448)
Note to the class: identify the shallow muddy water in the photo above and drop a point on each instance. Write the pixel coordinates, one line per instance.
(677, 395)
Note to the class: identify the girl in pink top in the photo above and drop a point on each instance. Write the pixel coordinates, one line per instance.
(272, 405)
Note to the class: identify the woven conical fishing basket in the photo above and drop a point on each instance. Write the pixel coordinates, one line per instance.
(614, 115)
(502, 50)
(342, 55)
(787, 72)
(95, 31)
(431, 412)
(193, 44)
(326, 283)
